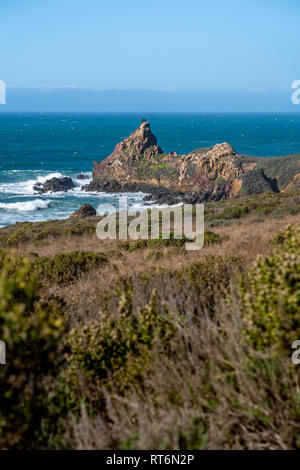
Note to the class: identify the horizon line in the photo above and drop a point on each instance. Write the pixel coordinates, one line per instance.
(73, 87)
(145, 112)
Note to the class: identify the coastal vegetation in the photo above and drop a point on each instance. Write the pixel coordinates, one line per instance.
(216, 214)
(144, 345)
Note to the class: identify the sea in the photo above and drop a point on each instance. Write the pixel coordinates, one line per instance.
(37, 147)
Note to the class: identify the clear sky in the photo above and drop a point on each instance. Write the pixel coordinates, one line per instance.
(175, 46)
(182, 45)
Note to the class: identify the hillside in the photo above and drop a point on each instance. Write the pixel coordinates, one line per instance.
(140, 344)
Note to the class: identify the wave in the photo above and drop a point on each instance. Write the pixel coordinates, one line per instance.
(25, 187)
(27, 206)
(152, 205)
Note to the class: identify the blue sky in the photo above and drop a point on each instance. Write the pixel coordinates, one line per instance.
(169, 45)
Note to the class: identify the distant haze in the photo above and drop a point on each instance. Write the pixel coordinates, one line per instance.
(68, 100)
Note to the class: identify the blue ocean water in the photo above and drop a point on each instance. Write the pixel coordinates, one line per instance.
(34, 147)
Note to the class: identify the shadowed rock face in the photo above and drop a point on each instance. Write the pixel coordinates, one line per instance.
(256, 182)
(139, 164)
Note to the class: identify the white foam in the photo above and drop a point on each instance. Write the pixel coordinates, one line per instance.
(152, 205)
(42, 179)
(34, 205)
(25, 188)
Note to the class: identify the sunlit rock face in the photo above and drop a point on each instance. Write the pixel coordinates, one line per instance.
(139, 164)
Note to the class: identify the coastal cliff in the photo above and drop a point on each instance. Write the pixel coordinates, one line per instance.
(139, 164)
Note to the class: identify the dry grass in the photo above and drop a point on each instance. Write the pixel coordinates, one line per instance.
(246, 240)
(209, 398)
(207, 386)
(241, 232)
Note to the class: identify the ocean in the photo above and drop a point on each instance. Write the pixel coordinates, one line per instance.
(36, 147)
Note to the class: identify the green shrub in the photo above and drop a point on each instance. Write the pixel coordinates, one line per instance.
(155, 243)
(214, 272)
(66, 267)
(211, 238)
(235, 212)
(118, 348)
(37, 232)
(32, 332)
(270, 295)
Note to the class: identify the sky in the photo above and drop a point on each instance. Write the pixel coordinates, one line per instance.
(247, 47)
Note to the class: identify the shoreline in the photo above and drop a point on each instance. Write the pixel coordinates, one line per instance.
(139, 168)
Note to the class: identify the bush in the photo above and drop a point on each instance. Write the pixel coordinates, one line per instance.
(271, 295)
(38, 232)
(212, 238)
(32, 332)
(118, 348)
(66, 267)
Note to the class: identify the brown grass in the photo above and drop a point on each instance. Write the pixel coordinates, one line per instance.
(185, 415)
(213, 390)
(246, 240)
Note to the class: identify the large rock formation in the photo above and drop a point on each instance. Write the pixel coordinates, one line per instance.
(139, 164)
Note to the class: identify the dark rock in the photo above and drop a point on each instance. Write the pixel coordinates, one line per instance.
(38, 187)
(85, 211)
(58, 184)
(163, 196)
(108, 186)
(81, 176)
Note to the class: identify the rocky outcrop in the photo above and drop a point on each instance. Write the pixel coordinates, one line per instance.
(38, 188)
(139, 164)
(55, 185)
(129, 158)
(140, 143)
(81, 176)
(84, 211)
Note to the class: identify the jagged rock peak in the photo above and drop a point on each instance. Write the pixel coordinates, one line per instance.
(140, 142)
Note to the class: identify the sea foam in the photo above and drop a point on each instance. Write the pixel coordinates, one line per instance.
(25, 188)
(34, 205)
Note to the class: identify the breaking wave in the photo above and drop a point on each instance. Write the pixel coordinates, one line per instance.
(27, 206)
